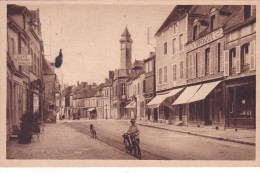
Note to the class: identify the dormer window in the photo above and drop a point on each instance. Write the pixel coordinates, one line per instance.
(213, 19)
(195, 32)
(247, 11)
(212, 22)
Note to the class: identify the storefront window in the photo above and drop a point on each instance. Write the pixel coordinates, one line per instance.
(244, 102)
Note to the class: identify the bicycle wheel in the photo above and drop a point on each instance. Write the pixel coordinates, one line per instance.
(137, 150)
(127, 145)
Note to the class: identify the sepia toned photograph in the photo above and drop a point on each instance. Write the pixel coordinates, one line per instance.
(130, 81)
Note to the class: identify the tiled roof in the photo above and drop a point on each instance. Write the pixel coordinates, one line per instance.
(67, 91)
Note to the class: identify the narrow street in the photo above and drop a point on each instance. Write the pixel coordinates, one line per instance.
(166, 145)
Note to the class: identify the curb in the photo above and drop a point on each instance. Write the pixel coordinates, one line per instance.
(202, 135)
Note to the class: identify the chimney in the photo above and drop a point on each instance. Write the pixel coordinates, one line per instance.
(77, 83)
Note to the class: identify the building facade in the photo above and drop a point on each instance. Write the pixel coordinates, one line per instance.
(119, 77)
(149, 85)
(24, 65)
(170, 65)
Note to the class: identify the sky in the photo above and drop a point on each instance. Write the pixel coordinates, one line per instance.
(89, 36)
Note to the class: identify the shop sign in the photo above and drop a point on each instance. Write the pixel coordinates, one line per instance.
(24, 60)
(206, 39)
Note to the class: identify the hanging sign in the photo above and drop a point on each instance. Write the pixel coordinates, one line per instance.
(24, 60)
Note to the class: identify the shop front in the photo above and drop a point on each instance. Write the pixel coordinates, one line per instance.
(241, 103)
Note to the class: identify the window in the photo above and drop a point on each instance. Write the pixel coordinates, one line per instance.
(174, 46)
(196, 65)
(218, 56)
(13, 46)
(207, 59)
(143, 86)
(232, 57)
(181, 42)
(231, 100)
(245, 59)
(212, 22)
(160, 75)
(165, 48)
(165, 74)
(174, 72)
(122, 89)
(138, 88)
(195, 32)
(181, 69)
(174, 28)
(247, 11)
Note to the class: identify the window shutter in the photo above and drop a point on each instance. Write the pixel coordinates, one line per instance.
(187, 67)
(238, 64)
(226, 62)
(222, 56)
(194, 65)
(199, 63)
(252, 55)
(216, 59)
(202, 63)
(211, 60)
(190, 67)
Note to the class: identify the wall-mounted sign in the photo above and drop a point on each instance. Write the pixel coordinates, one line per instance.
(205, 39)
(24, 60)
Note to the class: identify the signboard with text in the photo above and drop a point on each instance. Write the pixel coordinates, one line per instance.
(205, 39)
(24, 60)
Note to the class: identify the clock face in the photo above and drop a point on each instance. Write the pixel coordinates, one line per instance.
(123, 45)
(128, 45)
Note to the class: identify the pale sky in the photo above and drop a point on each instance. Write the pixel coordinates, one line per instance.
(89, 36)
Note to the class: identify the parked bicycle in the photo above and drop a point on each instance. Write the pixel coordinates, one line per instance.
(131, 145)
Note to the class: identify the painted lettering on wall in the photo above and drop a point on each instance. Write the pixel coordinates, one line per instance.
(205, 39)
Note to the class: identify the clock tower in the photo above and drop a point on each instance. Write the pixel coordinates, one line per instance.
(126, 50)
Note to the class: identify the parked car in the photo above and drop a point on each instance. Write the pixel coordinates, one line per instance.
(76, 114)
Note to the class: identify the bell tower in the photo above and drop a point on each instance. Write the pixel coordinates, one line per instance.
(126, 50)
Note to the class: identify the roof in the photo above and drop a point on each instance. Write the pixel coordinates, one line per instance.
(126, 32)
(46, 68)
(152, 56)
(16, 9)
(66, 91)
(138, 64)
(176, 13)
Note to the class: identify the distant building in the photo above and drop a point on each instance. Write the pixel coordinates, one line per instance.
(119, 77)
(149, 85)
(49, 80)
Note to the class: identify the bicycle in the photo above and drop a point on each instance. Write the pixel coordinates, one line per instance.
(131, 146)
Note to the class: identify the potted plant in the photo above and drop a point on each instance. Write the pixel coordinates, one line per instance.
(25, 135)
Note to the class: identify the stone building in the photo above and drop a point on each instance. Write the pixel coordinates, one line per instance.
(149, 85)
(170, 65)
(49, 80)
(119, 77)
(24, 64)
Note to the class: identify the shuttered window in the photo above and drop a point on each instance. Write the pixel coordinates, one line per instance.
(160, 75)
(165, 74)
(226, 62)
(238, 59)
(181, 69)
(198, 64)
(222, 55)
(174, 72)
(207, 61)
(252, 55)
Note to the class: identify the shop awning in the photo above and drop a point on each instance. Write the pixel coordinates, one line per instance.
(90, 109)
(131, 105)
(160, 98)
(204, 91)
(186, 95)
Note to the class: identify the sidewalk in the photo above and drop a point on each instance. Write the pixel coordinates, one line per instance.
(61, 142)
(243, 136)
